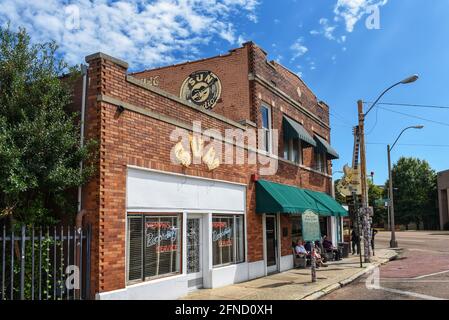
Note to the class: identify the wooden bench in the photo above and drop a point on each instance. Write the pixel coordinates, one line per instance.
(299, 261)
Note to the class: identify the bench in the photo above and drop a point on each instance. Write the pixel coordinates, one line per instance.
(299, 261)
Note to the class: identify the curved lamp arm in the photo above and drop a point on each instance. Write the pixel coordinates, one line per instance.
(411, 127)
(405, 81)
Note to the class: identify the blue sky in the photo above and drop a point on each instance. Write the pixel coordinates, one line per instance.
(327, 42)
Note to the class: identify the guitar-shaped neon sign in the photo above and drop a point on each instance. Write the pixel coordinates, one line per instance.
(351, 181)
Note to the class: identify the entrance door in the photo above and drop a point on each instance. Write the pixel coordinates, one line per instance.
(271, 241)
(194, 253)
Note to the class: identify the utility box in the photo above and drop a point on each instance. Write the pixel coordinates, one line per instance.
(344, 249)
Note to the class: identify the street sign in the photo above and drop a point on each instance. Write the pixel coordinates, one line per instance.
(310, 226)
(381, 202)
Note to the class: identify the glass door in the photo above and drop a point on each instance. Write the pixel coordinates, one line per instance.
(271, 243)
(194, 252)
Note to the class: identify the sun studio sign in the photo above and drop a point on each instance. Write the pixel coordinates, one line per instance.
(203, 88)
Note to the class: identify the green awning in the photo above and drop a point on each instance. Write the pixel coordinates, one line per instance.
(293, 129)
(325, 147)
(329, 202)
(274, 197)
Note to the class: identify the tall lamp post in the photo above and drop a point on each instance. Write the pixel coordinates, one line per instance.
(362, 116)
(393, 241)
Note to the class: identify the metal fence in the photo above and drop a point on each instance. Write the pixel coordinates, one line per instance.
(45, 263)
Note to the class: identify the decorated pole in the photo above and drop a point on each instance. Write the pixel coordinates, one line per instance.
(311, 233)
(313, 263)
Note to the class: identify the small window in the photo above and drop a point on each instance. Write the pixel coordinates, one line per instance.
(153, 246)
(293, 150)
(320, 161)
(266, 127)
(227, 239)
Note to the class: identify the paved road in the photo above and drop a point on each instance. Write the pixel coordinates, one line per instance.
(420, 273)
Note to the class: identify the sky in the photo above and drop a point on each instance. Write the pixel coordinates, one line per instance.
(345, 50)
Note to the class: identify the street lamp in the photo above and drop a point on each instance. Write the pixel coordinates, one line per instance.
(362, 116)
(393, 241)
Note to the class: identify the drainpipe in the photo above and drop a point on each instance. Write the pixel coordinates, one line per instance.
(79, 217)
(81, 212)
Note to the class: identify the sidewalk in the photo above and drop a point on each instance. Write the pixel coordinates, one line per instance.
(295, 284)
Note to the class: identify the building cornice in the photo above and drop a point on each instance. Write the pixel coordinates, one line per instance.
(287, 98)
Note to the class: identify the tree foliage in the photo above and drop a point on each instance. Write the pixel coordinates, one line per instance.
(40, 148)
(415, 192)
(376, 193)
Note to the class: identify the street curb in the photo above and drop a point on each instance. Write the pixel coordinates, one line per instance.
(322, 292)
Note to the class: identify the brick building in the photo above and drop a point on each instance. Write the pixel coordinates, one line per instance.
(443, 199)
(166, 220)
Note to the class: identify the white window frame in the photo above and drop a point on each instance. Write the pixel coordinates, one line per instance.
(234, 241)
(268, 147)
(320, 161)
(142, 216)
(290, 151)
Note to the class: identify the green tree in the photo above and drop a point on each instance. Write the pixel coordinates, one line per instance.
(415, 193)
(377, 193)
(39, 141)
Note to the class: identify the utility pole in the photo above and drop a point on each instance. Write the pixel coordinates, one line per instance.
(365, 209)
(364, 205)
(393, 242)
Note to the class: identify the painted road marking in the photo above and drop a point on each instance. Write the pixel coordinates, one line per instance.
(409, 293)
(431, 274)
(373, 283)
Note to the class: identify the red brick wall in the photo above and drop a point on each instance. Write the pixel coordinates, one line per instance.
(130, 138)
(134, 139)
(231, 69)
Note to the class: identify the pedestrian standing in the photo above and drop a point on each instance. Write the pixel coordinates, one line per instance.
(355, 239)
(373, 234)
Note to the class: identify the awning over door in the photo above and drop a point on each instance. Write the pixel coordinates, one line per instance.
(274, 197)
(293, 129)
(325, 147)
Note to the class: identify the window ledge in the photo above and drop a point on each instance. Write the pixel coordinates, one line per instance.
(305, 167)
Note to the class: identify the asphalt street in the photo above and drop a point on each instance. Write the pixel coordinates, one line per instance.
(421, 271)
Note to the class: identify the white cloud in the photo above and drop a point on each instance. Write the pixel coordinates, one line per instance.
(144, 33)
(298, 49)
(351, 11)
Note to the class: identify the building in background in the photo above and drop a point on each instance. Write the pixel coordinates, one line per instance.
(162, 227)
(443, 200)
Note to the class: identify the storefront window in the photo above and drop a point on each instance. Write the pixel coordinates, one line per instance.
(227, 239)
(296, 228)
(153, 246)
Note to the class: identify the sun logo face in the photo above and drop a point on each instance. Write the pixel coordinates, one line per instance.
(202, 88)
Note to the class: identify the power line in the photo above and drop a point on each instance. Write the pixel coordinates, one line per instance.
(412, 144)
(416, 117)
(339, 117)
(410, 105)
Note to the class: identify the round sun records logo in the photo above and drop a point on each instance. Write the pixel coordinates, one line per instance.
(203, 88)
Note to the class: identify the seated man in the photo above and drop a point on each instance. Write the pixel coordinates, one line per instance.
(300, 250)
(329, 247)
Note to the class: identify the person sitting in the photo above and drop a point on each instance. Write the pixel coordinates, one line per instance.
(300, 250)
(329, 247)
(318, 259)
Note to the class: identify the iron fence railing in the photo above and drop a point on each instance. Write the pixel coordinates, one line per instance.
(44, 263)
